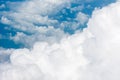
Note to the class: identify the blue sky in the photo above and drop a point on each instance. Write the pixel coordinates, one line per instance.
(63, 15)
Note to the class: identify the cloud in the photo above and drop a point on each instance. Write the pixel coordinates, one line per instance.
(48, 34)
(89, 55)
(36, 12)
(103, 47)
(30, 18)
(79, 21)
(82, 18)
(5, 20)
(56, 61)
(4, 55)
(27, 20)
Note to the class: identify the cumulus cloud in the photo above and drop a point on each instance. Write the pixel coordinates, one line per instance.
(103, 48)
(89, 55)
(56, 61)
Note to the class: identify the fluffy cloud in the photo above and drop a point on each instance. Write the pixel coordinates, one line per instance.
(28, 19)
(103, 48)
(92, 54)
(32, 21)
(36, 12)
(49, 34)
(82, 18)
(5, 20)
(56, 61)
(4, 55)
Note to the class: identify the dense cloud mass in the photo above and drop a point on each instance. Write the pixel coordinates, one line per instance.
(103, 48)
(91, 54)
(54, 62)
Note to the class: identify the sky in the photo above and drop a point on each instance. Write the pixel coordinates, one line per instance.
(59, 39)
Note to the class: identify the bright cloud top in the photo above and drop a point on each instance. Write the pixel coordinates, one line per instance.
(89, 55)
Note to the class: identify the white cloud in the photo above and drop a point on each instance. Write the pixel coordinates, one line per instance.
(78, 8)
(33, 17)
(90, 55)
(5, 20)
(49, 35)
(82, 18)
(35, 12)
(103, 48)
(59, 61)
(28, 18)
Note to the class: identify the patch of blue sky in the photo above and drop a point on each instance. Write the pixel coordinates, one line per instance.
(5, 42)
(89, 7)
(6, 30)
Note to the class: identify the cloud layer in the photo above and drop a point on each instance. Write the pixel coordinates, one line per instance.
(92, 54)
(39, 20)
